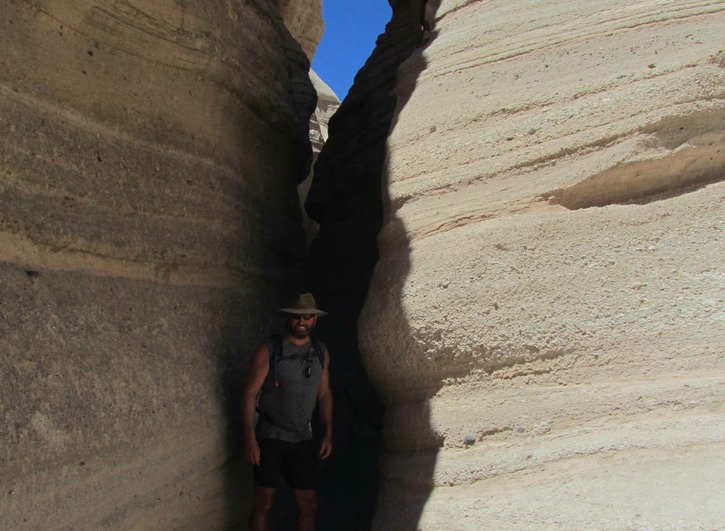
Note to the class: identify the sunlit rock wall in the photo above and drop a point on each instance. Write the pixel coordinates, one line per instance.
(327, 105)
(303, 19)
(546, 320)
(149, 157)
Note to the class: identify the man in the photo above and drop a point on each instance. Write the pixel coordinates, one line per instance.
(285, 391)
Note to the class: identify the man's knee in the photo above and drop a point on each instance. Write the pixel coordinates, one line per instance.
(263, 499)
(306, 501)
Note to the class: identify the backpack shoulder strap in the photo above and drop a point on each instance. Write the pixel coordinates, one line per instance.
(274, 355)
(276, 349)
(319, 351)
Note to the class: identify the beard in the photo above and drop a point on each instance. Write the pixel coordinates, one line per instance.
(301, 331)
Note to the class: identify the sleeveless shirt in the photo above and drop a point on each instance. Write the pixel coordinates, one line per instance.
(285, 411)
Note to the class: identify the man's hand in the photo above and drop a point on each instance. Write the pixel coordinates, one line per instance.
(324, 403)
(326, 447)
(257, 374)
(251, 450)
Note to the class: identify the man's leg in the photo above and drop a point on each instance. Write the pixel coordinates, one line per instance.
(267, 476)
(302, 477)
(306, 509)
(263, 500)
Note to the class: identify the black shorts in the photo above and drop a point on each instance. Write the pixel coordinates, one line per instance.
(295, 462)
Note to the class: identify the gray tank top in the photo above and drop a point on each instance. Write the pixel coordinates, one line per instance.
(285, 411)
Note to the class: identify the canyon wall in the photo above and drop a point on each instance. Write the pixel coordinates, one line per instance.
(303, 19)
(545, 323)
(149, 222)
(327, 105)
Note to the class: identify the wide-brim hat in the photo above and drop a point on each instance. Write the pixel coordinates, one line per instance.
(303, 304)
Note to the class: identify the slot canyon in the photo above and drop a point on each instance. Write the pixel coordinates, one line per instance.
(516, 219)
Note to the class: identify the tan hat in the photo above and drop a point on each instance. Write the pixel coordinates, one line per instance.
(303, 304)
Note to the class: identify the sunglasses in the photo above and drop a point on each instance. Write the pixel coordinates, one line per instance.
(296, 317)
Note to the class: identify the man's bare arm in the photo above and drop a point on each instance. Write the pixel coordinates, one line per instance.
(258, 371)
(324, 404)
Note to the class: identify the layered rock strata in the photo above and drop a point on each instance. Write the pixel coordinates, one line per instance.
(149, 222)
(327, 105)
(545, 322)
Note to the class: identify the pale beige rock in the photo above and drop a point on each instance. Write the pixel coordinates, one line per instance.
(149, 221)
(546, 320)
(327, 105)
(303, 19)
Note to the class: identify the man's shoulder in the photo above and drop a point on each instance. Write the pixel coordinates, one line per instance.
(317, 342)
(275, 344)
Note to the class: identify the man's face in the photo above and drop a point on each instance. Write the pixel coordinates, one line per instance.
(301, 325)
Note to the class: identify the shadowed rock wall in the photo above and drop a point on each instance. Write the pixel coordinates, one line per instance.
(345, 199)
(545, 321)
(149, 222)
(327, 105)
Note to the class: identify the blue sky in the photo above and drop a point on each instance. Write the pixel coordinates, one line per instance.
(351, 28)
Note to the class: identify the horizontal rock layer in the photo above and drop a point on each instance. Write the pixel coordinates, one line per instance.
(549, 298)
(149, 222)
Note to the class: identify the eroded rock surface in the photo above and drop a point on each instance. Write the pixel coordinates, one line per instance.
(546, 319)
(303, 19)
(148, 223)
(327, 105)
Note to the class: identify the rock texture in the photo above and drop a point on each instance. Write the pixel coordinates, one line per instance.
(303, 19)
(327, 105)
(545, 323)
(149, 222)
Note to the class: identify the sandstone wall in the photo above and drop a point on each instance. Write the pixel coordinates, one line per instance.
(327, 105)
(148, 223)
(546, 319)
(303, 19)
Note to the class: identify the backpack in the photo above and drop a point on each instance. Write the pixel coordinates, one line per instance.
(276, 354)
